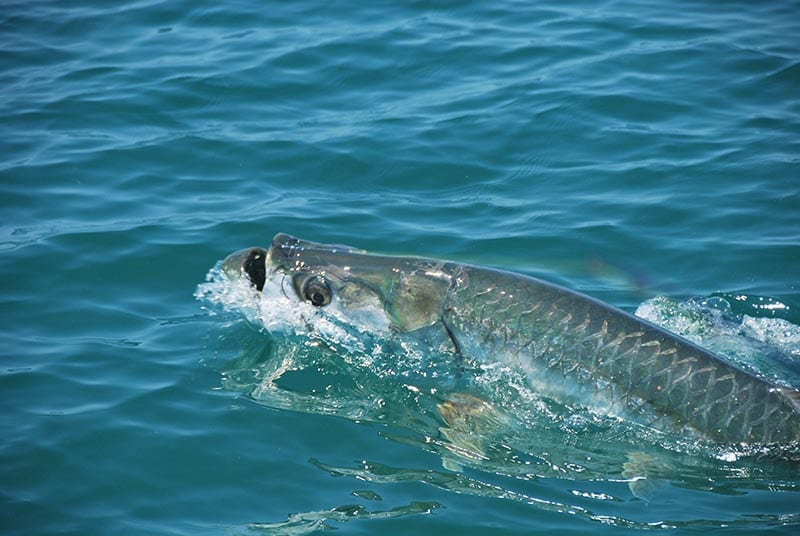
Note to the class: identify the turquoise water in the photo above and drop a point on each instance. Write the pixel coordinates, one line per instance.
(630, 150)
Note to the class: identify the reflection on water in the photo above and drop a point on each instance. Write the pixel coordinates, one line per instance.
(311, 522)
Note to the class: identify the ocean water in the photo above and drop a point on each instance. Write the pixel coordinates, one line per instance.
(645, 153)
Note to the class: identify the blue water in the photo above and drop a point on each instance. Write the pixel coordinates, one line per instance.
(631, 150)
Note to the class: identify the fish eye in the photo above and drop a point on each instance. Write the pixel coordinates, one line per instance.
(317, 291)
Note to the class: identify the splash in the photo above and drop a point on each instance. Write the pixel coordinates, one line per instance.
(765, 345)
(272, 310)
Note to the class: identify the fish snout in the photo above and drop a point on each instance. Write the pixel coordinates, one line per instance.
(249, 262)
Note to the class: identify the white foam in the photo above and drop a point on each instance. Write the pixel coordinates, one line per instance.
(774, 331)
(357, 332)
(767, 346)
(230, 294)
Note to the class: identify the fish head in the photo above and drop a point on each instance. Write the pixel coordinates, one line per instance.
(374, 293)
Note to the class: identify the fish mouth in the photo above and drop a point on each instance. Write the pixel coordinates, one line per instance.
(254, 263)
(250, 263)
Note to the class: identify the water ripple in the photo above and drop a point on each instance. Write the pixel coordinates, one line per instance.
(630, 150)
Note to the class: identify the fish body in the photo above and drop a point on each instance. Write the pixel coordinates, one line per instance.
(572, 348)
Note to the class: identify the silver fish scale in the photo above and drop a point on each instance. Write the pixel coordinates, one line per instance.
(593, 346)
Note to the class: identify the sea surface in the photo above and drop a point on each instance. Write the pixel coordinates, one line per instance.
(645, 153)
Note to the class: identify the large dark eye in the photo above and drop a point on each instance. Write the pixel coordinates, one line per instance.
(317, 291)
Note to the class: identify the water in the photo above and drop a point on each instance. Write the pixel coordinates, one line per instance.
(630, 150)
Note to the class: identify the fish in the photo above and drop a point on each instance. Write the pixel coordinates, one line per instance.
(572, 348)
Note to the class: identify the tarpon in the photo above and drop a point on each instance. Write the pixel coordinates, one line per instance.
(573, 348)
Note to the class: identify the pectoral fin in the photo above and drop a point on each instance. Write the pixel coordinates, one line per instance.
(640, 470)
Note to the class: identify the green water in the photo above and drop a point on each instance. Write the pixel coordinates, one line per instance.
(629, 150)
